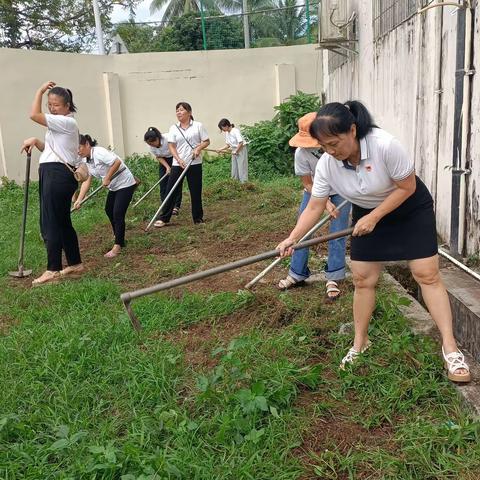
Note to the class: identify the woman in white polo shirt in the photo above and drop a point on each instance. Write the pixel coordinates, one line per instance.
(159, 148)
(56, 181)
(186, 138)
(392, 213)
(236, 145)
(103, 163)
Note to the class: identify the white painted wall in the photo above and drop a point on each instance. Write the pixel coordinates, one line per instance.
(120, 96)
(397, 78)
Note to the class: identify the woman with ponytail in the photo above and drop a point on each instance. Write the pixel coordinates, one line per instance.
(392, 214)
(159, 148)
(104, 164)
(235, 143)
(56, 181)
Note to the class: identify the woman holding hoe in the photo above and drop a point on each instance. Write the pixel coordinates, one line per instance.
(392, 213)
(57, 184)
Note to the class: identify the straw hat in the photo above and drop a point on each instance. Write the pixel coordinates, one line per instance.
(303, 137)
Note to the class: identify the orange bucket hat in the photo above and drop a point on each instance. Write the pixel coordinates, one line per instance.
(303, 137)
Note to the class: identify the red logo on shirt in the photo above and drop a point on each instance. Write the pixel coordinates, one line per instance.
(368, 168)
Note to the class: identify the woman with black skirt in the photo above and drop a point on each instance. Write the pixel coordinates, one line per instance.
(393, 218)
(104, 164)
(158, 144)
(186, 139)
(56, 181)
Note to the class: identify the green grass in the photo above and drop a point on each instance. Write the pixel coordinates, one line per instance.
(219, 384)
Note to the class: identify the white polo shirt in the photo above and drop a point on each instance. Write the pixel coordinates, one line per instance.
(233, 138)
(383, 160)
(195, 133)
(100, 163)
(61, 136)
(306, 160)
(163, 150)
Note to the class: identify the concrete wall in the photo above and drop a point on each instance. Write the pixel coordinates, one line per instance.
(406, 78)
(120, 96)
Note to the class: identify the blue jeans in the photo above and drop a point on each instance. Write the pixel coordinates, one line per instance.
(335, 268)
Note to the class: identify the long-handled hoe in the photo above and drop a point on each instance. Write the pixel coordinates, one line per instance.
(21, 272)
(322, 222)
(150, 191)
(170, 193)
(129, 296)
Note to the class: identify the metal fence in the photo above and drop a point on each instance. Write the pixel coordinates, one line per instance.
(388, 14)
(286, 24)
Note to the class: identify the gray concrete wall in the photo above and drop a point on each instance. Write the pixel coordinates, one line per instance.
(404, 78)
(120, 96)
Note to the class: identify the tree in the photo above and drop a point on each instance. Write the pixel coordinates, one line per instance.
(61, 25)
(177, 8)
(183, 33)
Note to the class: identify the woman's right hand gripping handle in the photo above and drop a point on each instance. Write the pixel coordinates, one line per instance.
(285, 247)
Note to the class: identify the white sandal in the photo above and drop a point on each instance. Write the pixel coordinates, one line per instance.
(289, 282)
(352, 355)
(159, 224)
(455, 361)
(332, 287)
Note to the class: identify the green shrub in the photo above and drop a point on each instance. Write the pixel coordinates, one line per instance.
(269, 152)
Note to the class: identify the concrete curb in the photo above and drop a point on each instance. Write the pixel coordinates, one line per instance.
(422, 323)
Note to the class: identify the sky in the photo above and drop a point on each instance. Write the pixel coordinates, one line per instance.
(142, 13)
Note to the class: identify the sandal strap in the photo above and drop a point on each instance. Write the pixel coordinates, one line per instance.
(455, 361)
(287, 282)
(332, 287)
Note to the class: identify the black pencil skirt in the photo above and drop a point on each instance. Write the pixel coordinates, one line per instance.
(407, 233)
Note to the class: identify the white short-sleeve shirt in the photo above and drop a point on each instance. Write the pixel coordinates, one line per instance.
(163, 150)
(383, 160)
(61, 137)
(306, 160)
(100, 163)
(233, 138)
(195, 133)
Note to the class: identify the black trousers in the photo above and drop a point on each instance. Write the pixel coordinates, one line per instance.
(116, 208)
(164, 184)
(56, 187)
(194, 179)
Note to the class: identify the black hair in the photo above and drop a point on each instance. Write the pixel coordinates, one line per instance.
(84, 139)
(66, 94)
(186, 106)
(336, 118)
(152, 134)
(224, 122)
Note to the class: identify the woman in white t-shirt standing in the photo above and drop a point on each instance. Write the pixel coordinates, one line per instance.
(235, 144)
(392, 213)
(104, 164)
(159, 148)
(186, 138)
(56, 181)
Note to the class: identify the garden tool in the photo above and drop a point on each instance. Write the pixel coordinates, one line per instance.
(151, 190)
(322, 222)
(129, 296)
(21, 272)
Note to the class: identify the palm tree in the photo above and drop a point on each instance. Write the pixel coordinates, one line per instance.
(177, 8)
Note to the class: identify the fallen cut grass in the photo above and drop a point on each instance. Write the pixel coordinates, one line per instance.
(221, 384)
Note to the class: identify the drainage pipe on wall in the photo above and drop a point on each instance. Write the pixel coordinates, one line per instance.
(466, 123)
(461, 129)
